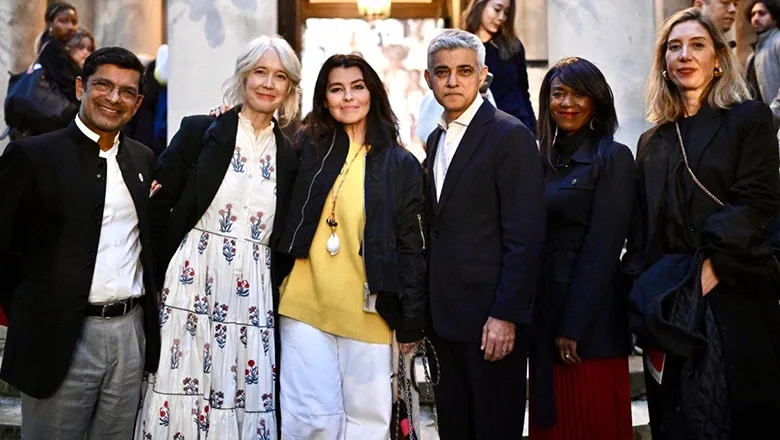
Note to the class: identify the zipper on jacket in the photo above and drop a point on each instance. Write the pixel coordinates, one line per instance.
(308, 195)
(365, 216)
(422, 235)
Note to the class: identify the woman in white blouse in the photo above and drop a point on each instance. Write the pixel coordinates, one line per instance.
(221, 189)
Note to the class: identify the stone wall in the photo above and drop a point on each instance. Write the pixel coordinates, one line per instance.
(616, 35)
(205, 37)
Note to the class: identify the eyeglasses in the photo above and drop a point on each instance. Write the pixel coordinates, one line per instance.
(106, 87)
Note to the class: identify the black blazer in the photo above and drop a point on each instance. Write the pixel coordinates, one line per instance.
(52, 191)
(487, 229)
(190, 172)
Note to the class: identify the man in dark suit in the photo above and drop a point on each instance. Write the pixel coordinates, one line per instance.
(74, 217)
(486, 214)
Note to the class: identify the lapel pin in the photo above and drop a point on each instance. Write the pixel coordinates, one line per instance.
(140, 177)
(154, 188)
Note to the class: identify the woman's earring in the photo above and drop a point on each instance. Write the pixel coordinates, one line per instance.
(591, 124)
(718, 72)
(555, 136)
(665, 75)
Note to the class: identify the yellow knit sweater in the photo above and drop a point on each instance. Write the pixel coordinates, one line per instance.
(326, 291)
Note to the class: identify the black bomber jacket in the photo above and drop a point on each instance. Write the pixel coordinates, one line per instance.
(394, 237)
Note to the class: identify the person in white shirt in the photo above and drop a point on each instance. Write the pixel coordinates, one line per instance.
(74, 219)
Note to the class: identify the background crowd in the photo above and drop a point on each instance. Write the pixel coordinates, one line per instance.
(285, 273)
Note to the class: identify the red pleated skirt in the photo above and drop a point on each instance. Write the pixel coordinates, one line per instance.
(592, 402)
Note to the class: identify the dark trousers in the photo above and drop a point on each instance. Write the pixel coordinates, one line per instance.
(478, 399)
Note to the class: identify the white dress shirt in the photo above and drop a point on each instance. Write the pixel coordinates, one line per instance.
(118, 272)
(448, 143)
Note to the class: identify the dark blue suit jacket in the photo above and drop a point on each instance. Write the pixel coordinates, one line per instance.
(487, 228)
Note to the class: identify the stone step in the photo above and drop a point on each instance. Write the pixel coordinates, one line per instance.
(10, 418)
(635, 375)
(639, 414)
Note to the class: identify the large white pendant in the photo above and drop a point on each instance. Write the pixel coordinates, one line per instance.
(334, 244)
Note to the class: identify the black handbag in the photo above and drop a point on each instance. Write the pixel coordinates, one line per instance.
(36, 105)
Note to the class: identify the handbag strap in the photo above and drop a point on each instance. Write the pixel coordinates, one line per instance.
(38, 57)
(690, 171)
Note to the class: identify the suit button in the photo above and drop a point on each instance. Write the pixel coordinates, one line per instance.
(98, 208)
(693, 227)
(100, 176)
(102, 164)
(98, 219)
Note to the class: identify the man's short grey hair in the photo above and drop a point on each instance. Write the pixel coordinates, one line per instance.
(235, 85)
(452, 39)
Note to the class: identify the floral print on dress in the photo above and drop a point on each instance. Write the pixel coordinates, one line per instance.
(203, 420)
(256, 252)
(176, 354)
(263, 433)
(268, 401)
(217, 399)
(226, 218)
(165, 313)
(165, 418)
(238, 161)
(216, 299)
(190, 385)
(240, 398)
(220, 312)
(256, 225)
(265, 334)
(220, 334)
(251, 373)
(242, 287)
(243, 336)
(229, 249)
(187, 274)
(265, 167)
(192, 324)
(203, 242)
(254, 316)
(207, 358)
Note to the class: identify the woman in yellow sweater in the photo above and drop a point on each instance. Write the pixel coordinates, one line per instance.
(356, 230)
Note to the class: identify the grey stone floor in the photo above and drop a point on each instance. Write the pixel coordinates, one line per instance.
(638, 410)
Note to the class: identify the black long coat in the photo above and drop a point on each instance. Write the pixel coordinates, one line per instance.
(52, 194)
(587, 223)
(734, 153)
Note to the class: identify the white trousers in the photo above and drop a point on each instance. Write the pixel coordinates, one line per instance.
(333, 388)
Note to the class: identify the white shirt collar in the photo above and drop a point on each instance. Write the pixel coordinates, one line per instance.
(466, 117)
(94, 137)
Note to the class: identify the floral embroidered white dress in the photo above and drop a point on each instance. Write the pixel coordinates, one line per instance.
(217, 374)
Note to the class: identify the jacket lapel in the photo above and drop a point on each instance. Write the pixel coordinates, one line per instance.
(286, 169)
(139, 189)
(655, 170)
(430, 185)
(466, 148)
(705, 126)
(218, 147)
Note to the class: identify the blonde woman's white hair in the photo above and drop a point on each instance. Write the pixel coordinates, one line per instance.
(235, 86)
(662, 98)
